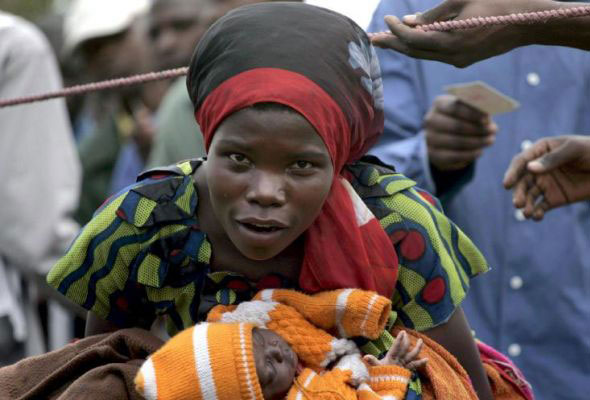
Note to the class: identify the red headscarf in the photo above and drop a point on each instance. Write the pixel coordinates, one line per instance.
(321, 65)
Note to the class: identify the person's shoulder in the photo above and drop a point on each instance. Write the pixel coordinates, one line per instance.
(178, 89)
(176, 99)
(129, 234)
(382, 188)
(374, 178)
(163, 195)
(23, 37)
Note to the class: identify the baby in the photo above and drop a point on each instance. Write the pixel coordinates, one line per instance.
(278, 346)
(277, 367)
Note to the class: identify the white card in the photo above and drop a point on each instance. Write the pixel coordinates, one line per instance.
(483, 97)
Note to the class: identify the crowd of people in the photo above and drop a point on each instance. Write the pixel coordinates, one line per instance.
(297, 155)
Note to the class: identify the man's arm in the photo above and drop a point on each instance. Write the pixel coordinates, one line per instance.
(402, 143)
(433, 144)
(569, 32)
(465, 47)
(456, 135)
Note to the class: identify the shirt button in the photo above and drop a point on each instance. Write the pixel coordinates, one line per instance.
(533, 79)
(514, 350)
(525, 144)
(516, 282)
(519, 215)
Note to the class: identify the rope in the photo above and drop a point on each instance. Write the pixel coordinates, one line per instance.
(95, 86)
(469, 23)
(520, 18)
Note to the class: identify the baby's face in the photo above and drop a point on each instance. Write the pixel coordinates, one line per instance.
(276, 363)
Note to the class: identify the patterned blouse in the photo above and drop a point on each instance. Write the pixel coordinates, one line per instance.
(143, 255)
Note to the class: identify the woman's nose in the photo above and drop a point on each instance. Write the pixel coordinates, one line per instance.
(267, 190)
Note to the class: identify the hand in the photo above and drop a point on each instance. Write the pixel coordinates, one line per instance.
(460, 48)
(551, 173)
(456, 133)
(400, 354)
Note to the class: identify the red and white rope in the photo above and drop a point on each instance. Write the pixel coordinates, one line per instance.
(469, 23)
(519, 18)
(95, 86)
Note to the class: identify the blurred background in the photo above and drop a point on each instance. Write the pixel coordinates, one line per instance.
(34, 10)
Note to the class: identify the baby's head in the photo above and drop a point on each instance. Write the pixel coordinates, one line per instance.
(219, 361)
(276, 363)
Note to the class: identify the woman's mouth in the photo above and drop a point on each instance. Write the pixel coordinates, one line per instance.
(260, 233)
(261, 226)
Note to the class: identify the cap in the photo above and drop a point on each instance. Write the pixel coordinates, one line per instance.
(90, 19)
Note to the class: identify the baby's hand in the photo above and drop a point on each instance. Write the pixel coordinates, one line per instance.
(400, 354)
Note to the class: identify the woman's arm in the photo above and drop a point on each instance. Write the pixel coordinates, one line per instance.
(96, 325)
(455, 336)
(436, 263)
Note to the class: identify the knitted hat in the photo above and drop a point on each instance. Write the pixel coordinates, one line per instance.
(302, 320)
(207, 361)
(314, 347)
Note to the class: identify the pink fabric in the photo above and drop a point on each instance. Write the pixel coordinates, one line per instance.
(506, 368)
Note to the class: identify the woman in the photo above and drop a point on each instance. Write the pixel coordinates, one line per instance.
(288, 97)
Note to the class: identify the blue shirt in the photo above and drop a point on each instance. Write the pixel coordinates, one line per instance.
(535, 303)
(129, 164)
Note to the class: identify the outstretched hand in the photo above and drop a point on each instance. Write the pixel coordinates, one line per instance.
(460, 48)
(400, 354)
(551, 173)
(456, 133)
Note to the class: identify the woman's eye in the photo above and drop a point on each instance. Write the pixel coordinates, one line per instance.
(239, 159)
(302, 165)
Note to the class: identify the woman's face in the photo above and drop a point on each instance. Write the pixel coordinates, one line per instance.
(268, 173)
